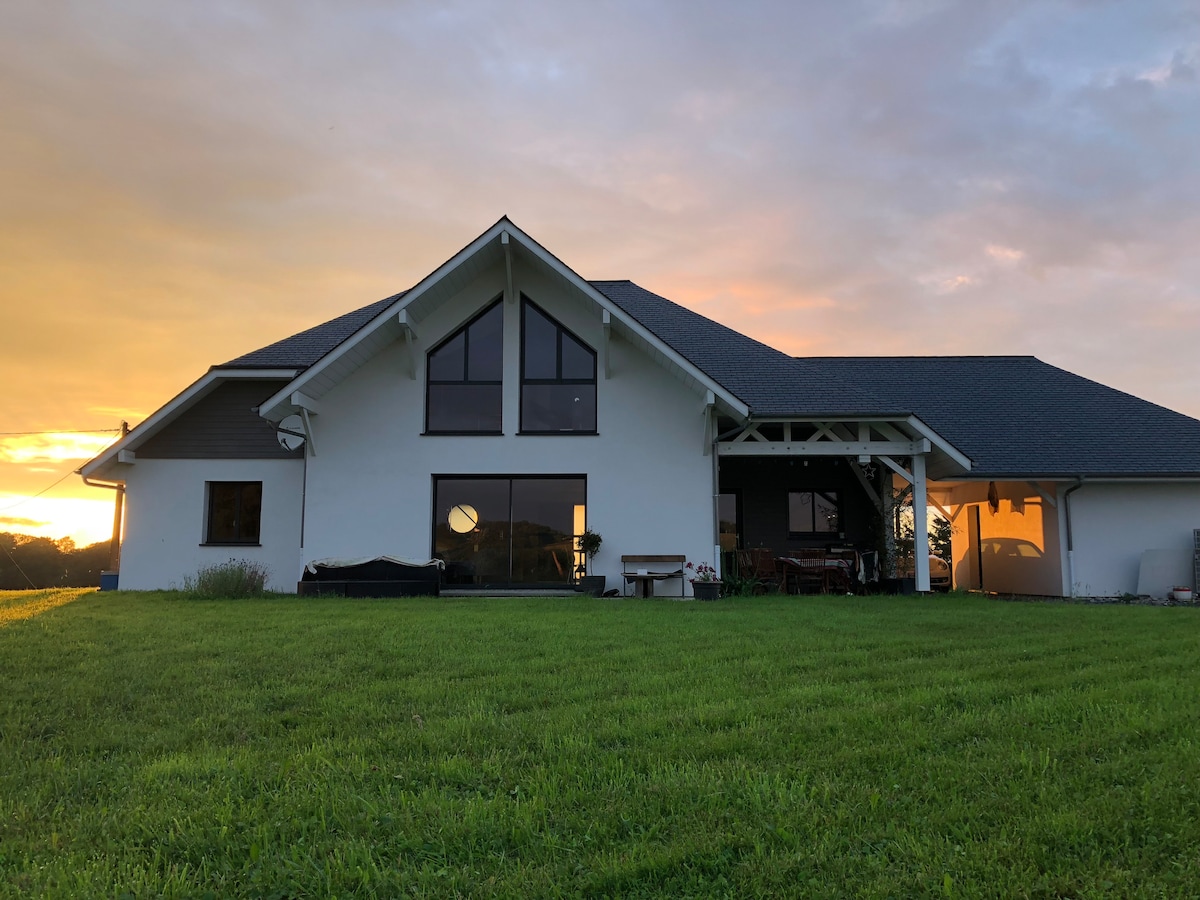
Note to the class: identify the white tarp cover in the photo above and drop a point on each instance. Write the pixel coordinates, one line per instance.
(334, 562)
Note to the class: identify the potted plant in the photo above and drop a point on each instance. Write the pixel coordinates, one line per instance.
(589, 545)
(705, 583)
(1182, 593)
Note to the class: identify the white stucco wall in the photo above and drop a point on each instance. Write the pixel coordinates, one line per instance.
(649, 482)
(1113, 523)
(165, 520)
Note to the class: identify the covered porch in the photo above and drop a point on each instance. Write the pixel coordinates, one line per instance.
(818, 490)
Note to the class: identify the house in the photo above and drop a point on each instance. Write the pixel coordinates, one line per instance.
(491, 412)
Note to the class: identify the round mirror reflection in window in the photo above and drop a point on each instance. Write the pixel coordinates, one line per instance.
(463, 518)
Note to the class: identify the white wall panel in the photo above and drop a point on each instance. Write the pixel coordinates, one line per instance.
(165, 520)
(1114, 523)
(649, 482)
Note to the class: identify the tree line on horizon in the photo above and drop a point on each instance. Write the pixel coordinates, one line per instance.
(28, 562)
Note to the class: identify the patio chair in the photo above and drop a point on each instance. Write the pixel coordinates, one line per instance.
(759, 564)
(841, 574)
(805, 572)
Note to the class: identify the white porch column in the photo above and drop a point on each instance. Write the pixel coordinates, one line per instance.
(920, 523)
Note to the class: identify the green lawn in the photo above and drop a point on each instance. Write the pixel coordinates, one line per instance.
(155, 745)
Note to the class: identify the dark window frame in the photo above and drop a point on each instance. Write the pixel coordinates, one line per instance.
(560, 331)
(831, 496)
(436, 512)
(465, 331)
(213, 489)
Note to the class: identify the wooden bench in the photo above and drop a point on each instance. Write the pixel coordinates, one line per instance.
(643, 571)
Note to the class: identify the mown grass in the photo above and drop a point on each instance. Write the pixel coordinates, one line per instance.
(881, 747)
(18, 605)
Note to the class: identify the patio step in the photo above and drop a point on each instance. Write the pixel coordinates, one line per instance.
(504, 592)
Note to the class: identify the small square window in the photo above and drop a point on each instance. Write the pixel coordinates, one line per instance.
(234, 512)
(813, 512)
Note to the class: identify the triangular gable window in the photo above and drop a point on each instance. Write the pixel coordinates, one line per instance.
(558, 376)
(464, 378)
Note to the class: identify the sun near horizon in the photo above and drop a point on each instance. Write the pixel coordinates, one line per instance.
(68, 508)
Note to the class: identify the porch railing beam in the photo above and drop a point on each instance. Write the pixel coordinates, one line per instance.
(823, 448)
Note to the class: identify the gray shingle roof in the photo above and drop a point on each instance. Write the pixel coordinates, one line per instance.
(1014, 416)
(302, 350)
(771, 383)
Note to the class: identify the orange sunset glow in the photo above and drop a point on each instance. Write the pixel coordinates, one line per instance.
(69, 508)
(184, 183)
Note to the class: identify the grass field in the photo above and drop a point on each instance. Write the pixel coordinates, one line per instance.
(156, 745)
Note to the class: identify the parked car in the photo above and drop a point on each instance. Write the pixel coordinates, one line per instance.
(939, 572)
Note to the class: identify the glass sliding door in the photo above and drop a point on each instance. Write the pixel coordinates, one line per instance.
(471, 529)
(543, 520)
(508, 530)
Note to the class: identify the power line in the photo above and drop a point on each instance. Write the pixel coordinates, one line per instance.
(18, 565)
(69, 473)
(66, 474)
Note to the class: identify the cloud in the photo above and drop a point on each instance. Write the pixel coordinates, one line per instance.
(52, 447)
(183, 183)
(20, 524)
(1004, 254)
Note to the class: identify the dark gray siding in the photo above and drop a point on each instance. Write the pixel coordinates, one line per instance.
(222, 425)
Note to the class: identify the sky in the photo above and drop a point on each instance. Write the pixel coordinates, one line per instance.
(183, 182)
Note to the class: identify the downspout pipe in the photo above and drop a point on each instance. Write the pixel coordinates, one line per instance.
(114, 545)
(1070, 534)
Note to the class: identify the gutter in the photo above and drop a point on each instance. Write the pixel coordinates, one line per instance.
(114, 545)
(1070, 535)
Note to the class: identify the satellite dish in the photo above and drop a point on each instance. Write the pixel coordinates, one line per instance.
(463, 518)
(291, 433)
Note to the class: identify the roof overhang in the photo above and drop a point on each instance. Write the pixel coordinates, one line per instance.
(860, 436)
(108, 465)
(498, 245)
(1086, 478)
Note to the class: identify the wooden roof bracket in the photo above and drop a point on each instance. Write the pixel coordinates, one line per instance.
(509, 296)
(307, 406)
(1046, 498)
(710, 401)
(410, 341)
(606, 324)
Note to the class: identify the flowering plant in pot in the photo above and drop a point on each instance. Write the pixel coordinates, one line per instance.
(705, 583)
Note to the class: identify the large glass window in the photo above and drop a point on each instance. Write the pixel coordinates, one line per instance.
(508, 530)
(813, 512)
(727, 515)
(464, 378)
(558, 376)
(234, 512)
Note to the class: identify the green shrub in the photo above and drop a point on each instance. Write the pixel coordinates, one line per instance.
(235, 579)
